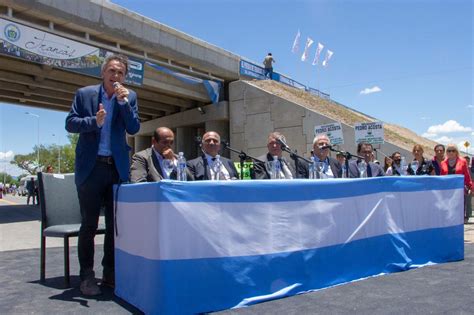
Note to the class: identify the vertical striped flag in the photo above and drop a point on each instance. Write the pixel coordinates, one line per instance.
(296, 43)
(328, 56)
(309, 42)
(317, 54)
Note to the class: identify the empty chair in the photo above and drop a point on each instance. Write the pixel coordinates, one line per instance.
(60, 215)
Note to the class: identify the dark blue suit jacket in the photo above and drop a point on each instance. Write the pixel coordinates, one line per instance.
(199, 168)
(373, 170)
(81, 119)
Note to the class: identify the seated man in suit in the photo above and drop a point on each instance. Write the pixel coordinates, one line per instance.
(331, 168)
(200, 167)
(365, 149)
(288, 168)
(147, 165)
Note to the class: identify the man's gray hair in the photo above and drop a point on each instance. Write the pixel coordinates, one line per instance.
(276, 135)
(321, 136)
(120, 58)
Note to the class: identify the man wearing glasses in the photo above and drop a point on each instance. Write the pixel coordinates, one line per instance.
(288, 169)
(365, 149)
(330, 167)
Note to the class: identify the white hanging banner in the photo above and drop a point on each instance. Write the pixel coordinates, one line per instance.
(369, 132)
(317, 54)
(328, 56)
(333, 131)
(309, 42)
(296, 43)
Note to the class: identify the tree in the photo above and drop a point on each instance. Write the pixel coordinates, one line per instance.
(49, 156)
(7, 179)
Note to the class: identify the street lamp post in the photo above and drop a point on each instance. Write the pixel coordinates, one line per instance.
(38, 117)
(59, 153)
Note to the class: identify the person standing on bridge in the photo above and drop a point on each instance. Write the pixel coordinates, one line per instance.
(268, 65)
(101, 114)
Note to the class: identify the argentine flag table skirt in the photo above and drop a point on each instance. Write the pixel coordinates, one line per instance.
(191, 247)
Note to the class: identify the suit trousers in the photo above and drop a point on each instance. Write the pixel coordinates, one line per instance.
(97, 191)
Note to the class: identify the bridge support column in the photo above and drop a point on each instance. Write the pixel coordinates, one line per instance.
(185, 141)
(142, 143)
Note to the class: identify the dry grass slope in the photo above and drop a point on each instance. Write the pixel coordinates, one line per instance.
(395, 134)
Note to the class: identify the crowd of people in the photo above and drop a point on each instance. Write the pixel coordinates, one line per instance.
(147, 165)
(102, 114)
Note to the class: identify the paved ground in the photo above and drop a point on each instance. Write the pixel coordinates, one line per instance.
(441, 289)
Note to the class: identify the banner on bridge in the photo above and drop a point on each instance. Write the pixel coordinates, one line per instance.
(34, 45)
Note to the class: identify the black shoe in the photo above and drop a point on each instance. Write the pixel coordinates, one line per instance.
(89, 287)
(108, 281)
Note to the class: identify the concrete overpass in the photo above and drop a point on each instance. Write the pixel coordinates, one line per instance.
(244, 115)
(164, 100)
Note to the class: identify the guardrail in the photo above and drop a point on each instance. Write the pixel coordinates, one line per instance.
(252, 70)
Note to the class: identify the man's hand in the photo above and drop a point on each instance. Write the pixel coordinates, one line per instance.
(121, 92)
(168, 154)
(100, 116)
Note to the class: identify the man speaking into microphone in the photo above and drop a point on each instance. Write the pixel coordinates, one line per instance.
(101, 114)
(331, 168)
(276, 142)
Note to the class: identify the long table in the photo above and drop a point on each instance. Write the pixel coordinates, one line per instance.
(192, 247)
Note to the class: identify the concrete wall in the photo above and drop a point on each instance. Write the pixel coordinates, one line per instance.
(254, 113)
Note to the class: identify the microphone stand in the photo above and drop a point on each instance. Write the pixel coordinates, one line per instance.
(242, 156)
(295, 155)
(378, 150)
(347, 155)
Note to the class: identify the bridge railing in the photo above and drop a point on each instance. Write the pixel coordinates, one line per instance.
(250, 69)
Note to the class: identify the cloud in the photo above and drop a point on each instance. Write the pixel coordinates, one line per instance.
(6, 156)
(449, 126)
(7, 167)
(429, 135)
(444, 140)
(470, 106)
(371, 90)
(425, 118)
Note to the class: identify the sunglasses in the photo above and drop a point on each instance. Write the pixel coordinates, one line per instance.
(450, 150)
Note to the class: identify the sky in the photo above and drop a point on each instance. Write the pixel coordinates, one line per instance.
(407, 62)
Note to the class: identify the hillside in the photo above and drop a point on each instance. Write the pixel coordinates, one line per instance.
(395, 134)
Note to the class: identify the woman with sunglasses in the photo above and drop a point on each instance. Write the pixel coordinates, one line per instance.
(453, 164)
(420, 165)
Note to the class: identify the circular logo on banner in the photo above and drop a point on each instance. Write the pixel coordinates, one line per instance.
(12, 32)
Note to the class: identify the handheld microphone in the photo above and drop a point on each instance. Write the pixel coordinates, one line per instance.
(328, 146)
(116, 86)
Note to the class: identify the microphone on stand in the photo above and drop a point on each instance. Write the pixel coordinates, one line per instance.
(224, 144)
(328, 146)
(281, 141)
(198, 140)
(116, 86)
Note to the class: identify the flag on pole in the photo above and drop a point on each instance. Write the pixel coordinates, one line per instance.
(317, 54)
(296, 43)
(309, 42)
(328, 56)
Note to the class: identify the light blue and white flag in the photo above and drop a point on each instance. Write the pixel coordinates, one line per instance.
(329, 54)
(319, 49)
(195, 247)
(305, 55)
(296, 43)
